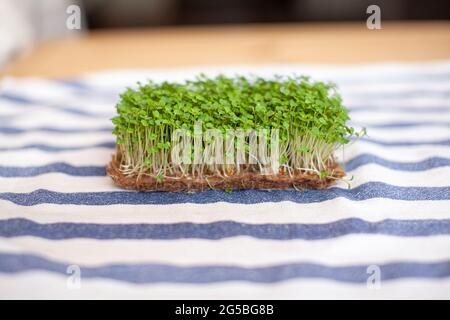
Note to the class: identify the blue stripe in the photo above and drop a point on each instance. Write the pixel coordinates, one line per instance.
(71, 110)
(445, 142)
(74, 84)
(50, 148)
(373, 108)
(92, 171)
(8, 118)
(382, 95)
(164, 273)
(365, 191)
(14, 130)
(223, 229)
(367, 158)
(399, 125)
(81, 87)
(80, 171)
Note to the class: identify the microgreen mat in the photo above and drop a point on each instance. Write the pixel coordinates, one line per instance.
(310, 118)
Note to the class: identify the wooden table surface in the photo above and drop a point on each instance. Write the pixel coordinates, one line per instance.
(243, 44)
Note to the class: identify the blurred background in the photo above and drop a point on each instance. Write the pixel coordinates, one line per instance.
(24, 23)
(119, 13)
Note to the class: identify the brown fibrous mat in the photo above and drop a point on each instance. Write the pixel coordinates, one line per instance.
(247, 180)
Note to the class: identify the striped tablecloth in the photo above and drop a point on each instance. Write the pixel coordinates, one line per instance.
(66, 231)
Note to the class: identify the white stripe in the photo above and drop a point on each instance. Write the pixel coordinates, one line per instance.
(45, 117)
(52, 93)
(401, 154)
(54, 117)
(280, 212)
(101, 156)
(9, 109)
(44, 285)
(437, 177)
(30, 157)
(35, 105)
(77, 138)
(50, 118)
(81, 140)
(56, 139)
(409, 133)
(371, 118)
(107, 109)
(368, 74)
(397, 88)
(37, 88)
(238, 251)
(58, 182)
(352, 98)
(396, 103)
